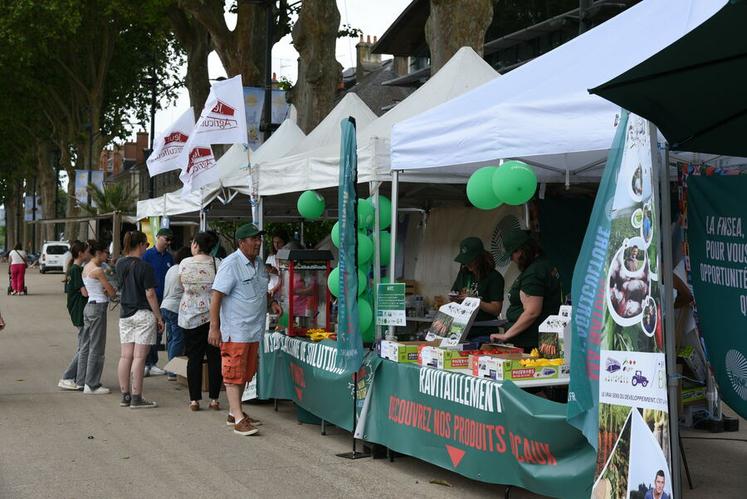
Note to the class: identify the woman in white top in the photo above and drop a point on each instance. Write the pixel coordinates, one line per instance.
(279, 239)
(197, 274)
(93, 337)
(18, 264)
(172, 297)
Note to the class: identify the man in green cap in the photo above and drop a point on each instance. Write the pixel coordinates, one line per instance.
(159, 257)
(478, 278)
(237, 320)
(534, 295)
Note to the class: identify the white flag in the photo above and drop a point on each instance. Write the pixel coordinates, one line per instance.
(168, 146)
(201, 169)
(223, 119)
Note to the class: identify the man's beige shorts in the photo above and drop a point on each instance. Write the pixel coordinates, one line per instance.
(139, 328)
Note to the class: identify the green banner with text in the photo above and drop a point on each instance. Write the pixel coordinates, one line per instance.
(303, 371)
(716, 216)
(482, 429)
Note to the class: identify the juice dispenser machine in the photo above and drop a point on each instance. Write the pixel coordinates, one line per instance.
(305, 295)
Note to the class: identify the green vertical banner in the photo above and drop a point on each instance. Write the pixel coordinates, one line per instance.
(349, 335)
(618, 390)
(716, 213)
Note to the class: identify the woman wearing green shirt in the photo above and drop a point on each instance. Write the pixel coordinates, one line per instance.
(534, 295)
(478, 278)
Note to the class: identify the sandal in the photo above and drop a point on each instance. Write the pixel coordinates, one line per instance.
(194, 406)
(214, 405)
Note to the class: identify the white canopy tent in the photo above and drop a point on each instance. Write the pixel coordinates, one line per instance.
(235, 175)
(541, 112)
(318, 168)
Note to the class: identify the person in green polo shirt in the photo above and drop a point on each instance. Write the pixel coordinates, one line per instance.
(478, 278)
(534, 295)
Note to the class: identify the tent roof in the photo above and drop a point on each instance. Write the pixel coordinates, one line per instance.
(668, 88)
(319, 168)
(541, 112)
(280, 142)
(328, 130)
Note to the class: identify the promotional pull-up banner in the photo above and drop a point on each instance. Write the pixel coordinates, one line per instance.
(716, 214)
(618, 388)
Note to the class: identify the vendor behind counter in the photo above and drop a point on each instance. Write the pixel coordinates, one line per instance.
(534, 295)
(478, 278)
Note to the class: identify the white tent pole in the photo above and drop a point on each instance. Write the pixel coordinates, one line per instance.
(393, 243)
(373, 188)
(666, 272)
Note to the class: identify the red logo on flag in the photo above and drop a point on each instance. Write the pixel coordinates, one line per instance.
(175, 137)
(198, 156)
(455, 454)
(223, 108)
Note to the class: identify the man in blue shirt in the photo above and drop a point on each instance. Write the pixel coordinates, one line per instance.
(238, 309)
(161, 260)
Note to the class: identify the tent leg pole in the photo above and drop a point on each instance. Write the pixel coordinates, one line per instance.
(374, 192)
(667, 272)
(393, 243)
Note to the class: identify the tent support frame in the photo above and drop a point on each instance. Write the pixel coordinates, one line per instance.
(393, 243)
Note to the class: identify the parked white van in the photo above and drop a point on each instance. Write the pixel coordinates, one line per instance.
(53, 255)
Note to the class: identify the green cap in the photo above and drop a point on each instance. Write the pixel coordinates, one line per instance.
(165, 233)
(248, 230)
(469, 249)
(514, 240)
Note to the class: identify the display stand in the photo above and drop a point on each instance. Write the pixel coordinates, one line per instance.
(355, 454)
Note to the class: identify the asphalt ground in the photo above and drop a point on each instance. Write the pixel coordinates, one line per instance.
(58, 444)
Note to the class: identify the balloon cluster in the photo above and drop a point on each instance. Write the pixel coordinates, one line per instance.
(366, 216)
(512, 183)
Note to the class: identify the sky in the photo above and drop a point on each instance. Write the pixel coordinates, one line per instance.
(373, 17)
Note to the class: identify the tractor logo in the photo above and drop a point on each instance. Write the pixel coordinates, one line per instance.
(639, 379)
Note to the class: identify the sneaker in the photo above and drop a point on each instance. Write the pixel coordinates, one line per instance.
(156, 371)
(245, 427)
(126, 399)
(80, 388)
(101, 390)
(171, 377)
(67, 384)
(231, 421)
(141, 403)
(146, 372)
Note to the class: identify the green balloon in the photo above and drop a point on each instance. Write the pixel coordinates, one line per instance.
(333, 281)
(385, 212)
(365, 249)
(335, 234)
(365, 314)
(514, 182)
(480, 189)
(362, 282)
(310, 204)
(385, 241)
(365, 214)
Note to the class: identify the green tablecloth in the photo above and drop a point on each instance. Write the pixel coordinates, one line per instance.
(485, 430)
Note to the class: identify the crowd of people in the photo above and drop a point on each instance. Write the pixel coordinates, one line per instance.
(210, 308)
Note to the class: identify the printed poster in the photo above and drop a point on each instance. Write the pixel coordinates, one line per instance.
(618, 370)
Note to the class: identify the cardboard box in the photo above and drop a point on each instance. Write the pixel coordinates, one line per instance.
(400, 351)
(507, 367)
(554, 335)
(442, 358)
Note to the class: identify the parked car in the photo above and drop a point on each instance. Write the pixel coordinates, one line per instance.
(53, 256)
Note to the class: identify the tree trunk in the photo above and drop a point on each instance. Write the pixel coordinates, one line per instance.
(46, 186)
(196, 43)
(11, 213)
(456, 24)
(71, 207)
(314, 37)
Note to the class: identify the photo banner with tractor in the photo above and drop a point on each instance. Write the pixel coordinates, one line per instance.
(618, 390)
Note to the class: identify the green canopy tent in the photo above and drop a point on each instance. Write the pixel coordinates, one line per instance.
(694, 90)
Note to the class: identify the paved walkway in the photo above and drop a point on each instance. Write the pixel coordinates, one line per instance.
(69, 445)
